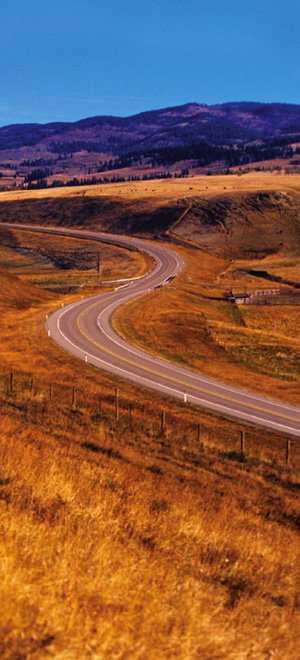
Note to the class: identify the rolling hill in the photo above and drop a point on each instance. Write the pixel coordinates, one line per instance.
(230, 123)
(156, 143)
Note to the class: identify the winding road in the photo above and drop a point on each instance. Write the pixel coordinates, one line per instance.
(84, 329)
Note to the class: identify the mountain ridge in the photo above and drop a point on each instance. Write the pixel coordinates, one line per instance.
(192, 110)
(176, 138)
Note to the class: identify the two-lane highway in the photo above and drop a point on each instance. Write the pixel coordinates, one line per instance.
(84, 329)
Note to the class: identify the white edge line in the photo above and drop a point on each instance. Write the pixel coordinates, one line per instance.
(149, 356)
(143, 379)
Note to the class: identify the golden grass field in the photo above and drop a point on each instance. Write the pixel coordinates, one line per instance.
(119, 541)
(241, 345)
(134, 552)
(170, 188)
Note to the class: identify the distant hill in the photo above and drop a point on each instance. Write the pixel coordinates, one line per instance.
(229, 123)
(171, 140)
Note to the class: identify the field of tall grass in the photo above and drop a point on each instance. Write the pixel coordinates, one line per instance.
(119, 543)
(118, 539)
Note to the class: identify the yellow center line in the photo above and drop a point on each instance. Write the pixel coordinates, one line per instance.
(170, 378)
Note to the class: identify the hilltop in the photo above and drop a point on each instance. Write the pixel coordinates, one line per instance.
(232, 216)
(159, 143)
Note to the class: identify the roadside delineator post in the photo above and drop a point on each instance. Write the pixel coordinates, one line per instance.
(184, 397)
(49, 333)
(85, 357)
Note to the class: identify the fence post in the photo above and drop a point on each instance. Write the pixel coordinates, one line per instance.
(73, 397)
(31, 385)
(198, 432)
(162, 422)
(50, 391)
(130, 416)
(287, 452)
(243, 437)
(117, 412)
(11, 381)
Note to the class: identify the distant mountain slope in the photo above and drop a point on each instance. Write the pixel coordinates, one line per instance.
(219, 124)
(165, 142)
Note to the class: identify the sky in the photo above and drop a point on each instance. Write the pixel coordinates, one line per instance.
(70, 59)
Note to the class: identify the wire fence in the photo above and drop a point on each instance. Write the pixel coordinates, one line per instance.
(190, 428)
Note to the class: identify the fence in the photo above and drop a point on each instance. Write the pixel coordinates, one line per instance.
(180, 424)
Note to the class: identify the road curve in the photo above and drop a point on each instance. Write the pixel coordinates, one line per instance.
(84, 329)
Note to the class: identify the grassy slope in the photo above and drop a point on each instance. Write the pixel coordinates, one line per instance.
(248, 221)
(135, 552)
(184, 323)
(92, 540)
(143, 206)
(68, 264)
(244, 225)
(15, 296)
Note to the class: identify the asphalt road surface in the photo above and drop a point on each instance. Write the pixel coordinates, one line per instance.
(84, 329)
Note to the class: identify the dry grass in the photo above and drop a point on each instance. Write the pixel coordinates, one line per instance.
(284, 322)
(120, 543)
(169, 189)
(26, 349)
(153, 208)
(65, 266)
(187, 322)
(126, 547)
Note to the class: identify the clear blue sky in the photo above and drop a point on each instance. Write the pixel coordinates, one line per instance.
(69, 59)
